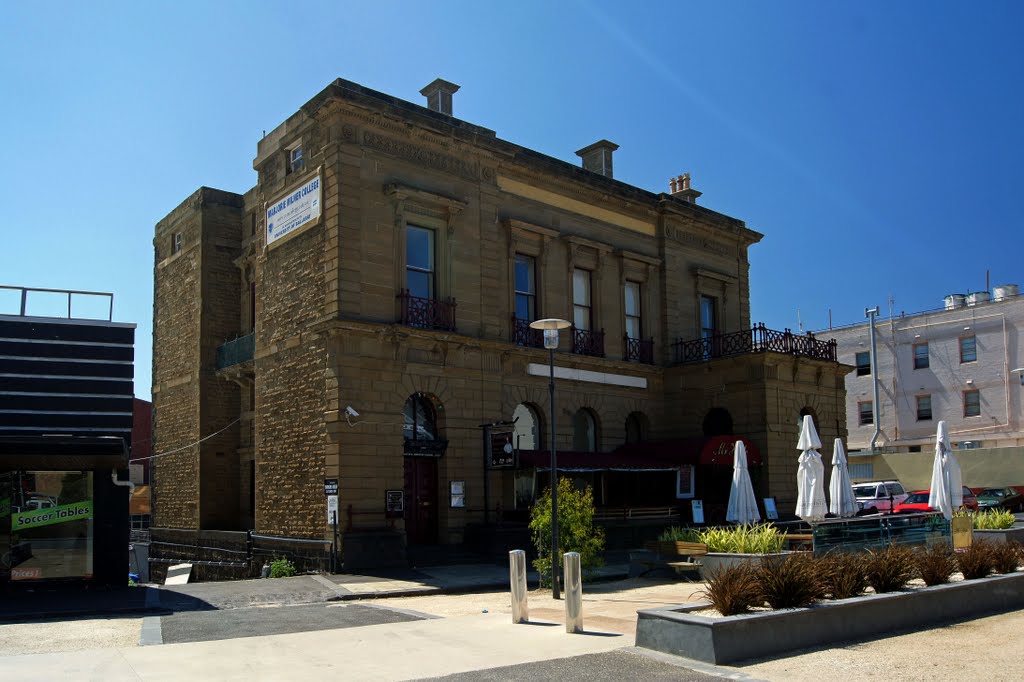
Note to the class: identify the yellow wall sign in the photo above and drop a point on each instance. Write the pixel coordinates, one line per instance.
(47, 517)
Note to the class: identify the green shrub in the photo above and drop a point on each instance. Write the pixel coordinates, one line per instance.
(576, 529)
(994, 519)
(841, 574)
(934, 564)
(281, 568)
(789, 583)
(1005, 556)
(732, 589)
(975, 561)
(754, 539)
(889, 569)
(677, 534)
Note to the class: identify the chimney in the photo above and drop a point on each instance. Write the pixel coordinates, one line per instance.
(598, 157)
(680, 186)
(439, 96)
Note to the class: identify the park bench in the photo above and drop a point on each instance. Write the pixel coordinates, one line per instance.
(678, 556)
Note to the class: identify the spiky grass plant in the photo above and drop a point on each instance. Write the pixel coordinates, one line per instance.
(677, 534)
(790, 583)
(889, 569)
(934, 564)
(994, 519)
(841, 574)
(753, 539)
(975, 561)
(1005, 556)
(732, 589)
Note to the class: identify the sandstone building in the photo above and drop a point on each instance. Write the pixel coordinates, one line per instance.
(389, 260)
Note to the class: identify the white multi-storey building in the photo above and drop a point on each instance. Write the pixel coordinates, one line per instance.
(962, 364)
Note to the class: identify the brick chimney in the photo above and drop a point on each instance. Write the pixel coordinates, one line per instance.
(680, 186)
(598, 157)
(439, 96)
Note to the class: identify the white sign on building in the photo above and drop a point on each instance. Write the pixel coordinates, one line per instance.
(292, 212)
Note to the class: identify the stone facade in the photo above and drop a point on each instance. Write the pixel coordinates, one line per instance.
(329, 328)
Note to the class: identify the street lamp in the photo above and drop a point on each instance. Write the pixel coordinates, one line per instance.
(551, 326)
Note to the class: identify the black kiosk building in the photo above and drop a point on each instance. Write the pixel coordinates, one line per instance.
(66, 390)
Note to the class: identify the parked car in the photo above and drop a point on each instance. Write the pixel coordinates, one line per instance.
(878, 496)
(917, 502)
(1001, 498)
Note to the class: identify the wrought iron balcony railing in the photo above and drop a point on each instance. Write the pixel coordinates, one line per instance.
(523, 335)
(759, 339)
(638, 350)
(427, 313)
(588, 342)
(236, 351)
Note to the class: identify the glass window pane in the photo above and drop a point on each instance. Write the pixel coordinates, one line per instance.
(632, 293)
(524, 274)
(633, 327)
(968, 349)
(581, 317)
(707, 316)
(581, 287)
(419, 248)
(419, 283)
(524, 307)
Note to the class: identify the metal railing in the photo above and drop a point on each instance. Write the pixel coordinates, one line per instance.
(427, 313)
(588, 342)
(25, 291)
(638, 350)
(524, 335)
(759, 339)
(236, 351)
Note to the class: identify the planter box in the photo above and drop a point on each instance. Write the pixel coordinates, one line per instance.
(674, 630)
(1014, 534)
(712, 561)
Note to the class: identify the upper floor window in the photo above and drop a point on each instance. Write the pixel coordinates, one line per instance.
(295, 163)
(968, 349)
(924, 407)
(863, 364)
(866, 413)
(582, 314)
(972, 403)
(419, 261)
(175, 243)
(920, 355)
(631, 290)
(707, 317)
(526, 287)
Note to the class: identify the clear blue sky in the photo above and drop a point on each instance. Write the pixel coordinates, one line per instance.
(874, 144)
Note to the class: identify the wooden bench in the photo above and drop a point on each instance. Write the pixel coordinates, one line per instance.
(675, 555)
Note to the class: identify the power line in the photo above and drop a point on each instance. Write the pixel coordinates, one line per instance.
(186, 447)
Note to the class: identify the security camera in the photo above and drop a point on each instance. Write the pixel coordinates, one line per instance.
(350, 411)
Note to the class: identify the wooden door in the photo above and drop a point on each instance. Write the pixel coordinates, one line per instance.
(421, 500)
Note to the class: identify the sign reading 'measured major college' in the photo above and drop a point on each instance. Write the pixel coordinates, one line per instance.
(292, 212)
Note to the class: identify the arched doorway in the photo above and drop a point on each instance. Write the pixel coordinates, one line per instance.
(584, 431)
(423, 445)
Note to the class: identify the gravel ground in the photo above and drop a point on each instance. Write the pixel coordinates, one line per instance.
(49, 636)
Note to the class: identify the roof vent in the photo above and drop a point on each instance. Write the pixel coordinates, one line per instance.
(680, 186)
(598, 157)
(439, 96)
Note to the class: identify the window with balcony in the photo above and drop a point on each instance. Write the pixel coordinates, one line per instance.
(526, 288)
(420, 304)
(924, 408)
(707, 317)
(968, 349)
(921, 356)
(636, 348)
(866, 413)
(972, 403)
(582, 313)
(863, 364)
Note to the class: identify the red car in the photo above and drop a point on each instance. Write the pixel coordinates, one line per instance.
(917, 502)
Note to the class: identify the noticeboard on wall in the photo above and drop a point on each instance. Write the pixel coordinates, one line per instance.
(394, 503)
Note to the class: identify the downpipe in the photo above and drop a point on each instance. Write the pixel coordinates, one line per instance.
(121, 484)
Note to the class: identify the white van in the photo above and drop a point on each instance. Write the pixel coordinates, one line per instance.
(878, 496)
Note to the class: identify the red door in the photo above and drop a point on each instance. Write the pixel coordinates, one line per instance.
(421, 500)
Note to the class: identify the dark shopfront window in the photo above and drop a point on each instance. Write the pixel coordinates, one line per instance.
(46, 525)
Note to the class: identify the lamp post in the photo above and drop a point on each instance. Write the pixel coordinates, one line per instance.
(551, 327)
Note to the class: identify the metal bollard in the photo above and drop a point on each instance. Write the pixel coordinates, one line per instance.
(517, 578)
(573, 593)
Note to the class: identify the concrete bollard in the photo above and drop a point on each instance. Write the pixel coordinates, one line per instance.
(573, 593)
(517, 578)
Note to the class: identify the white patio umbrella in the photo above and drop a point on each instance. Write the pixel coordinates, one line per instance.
(742, 503)
(810, 498)
(841, 500)
(947, 493)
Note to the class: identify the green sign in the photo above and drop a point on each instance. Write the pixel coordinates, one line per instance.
(47, 517)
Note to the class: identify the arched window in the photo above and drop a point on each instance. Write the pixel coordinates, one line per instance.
(584, 431)
(420, 418)
(527, 429)
(718, 422)
(636, 428)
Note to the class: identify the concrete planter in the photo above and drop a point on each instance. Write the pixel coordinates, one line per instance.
(1014, 534)
(675, 630)
(713, 561)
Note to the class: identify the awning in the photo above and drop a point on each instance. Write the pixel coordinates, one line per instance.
(652, 456)
(62, 453)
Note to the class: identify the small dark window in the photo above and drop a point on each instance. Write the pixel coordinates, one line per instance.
(924, 407)
(920, 355)
(863, 364)
(972, 403)
(866, 414)
(175, 243)
(294, 163)
(914, 448)
(968, 349)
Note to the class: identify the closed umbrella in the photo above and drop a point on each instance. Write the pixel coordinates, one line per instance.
(947, 491)
(810, 498)
(742, 503)
(841, 500)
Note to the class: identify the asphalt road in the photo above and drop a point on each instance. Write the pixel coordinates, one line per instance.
(205, 626)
